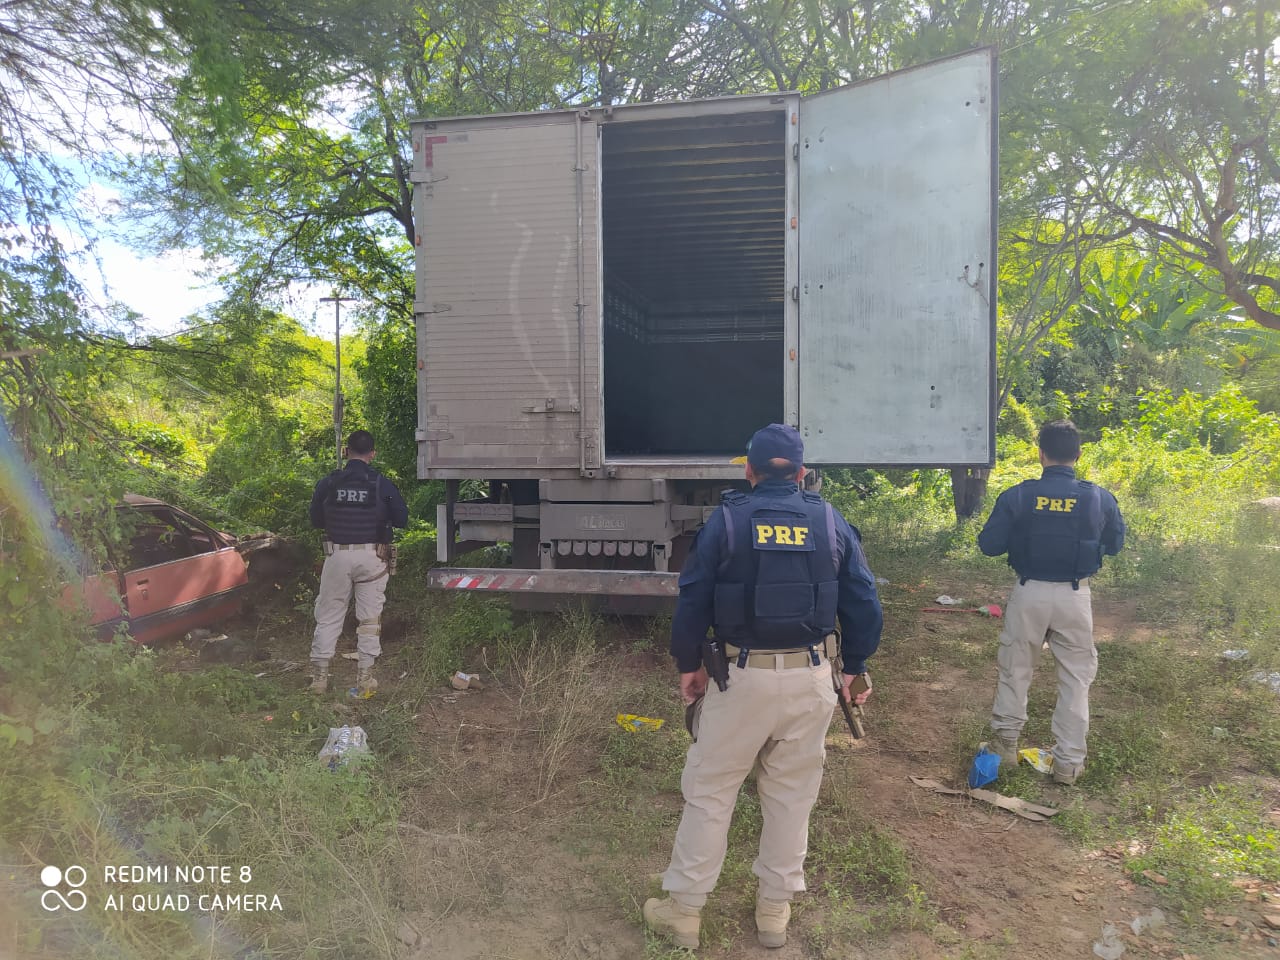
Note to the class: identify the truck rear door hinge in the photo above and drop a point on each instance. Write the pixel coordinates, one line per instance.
(795, 151)
(550, 407)
(795, 294)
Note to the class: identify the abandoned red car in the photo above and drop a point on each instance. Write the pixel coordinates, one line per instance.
(174, 574)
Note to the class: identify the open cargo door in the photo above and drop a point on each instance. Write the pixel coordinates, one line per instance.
(897, 192)
(507, 277)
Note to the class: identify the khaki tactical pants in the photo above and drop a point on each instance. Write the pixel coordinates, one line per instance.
(777, 719)
(1040, 610)
(344, 571)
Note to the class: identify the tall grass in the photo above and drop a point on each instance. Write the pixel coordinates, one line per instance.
(132, 763)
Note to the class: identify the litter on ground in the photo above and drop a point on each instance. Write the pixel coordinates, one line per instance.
(1110, 947)
(1148, 921)
(1023, 808)
(635, 723)
(987, 610)
(1041, 760)
(1271, 680)
(985, 767)
(344, 745)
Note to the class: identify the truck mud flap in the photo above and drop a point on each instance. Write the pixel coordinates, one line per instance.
(621, 583)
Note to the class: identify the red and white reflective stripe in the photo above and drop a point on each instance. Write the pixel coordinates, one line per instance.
(490, 582)
(595, 582)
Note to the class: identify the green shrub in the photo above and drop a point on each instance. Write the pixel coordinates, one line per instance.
(416, 548)
(1222, 422)
(264, 469)
(1017, 422)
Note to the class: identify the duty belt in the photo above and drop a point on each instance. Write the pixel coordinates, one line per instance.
(1075, 584)
(785, 659)
(355, 546)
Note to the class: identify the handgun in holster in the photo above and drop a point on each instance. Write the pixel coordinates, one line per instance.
(717, 664)
(387, 554)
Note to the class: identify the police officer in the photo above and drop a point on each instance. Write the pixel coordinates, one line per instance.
(771, 571)
(1056, 531)
(356, 507)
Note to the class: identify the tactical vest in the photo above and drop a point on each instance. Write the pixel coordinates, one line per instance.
(1058, 529)
(353, 511)
(777, 586)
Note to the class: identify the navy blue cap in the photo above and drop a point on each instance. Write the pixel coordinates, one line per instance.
(777, 441)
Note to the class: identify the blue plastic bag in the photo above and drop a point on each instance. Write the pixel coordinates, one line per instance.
(985, 768)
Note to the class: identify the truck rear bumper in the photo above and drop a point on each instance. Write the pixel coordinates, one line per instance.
(618, 583)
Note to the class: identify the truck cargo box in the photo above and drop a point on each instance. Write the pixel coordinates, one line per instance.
(651, 282)
(611, 300)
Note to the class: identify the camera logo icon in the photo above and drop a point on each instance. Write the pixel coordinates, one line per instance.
(52, 877)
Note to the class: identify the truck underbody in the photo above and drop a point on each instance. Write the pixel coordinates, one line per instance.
(576, 537)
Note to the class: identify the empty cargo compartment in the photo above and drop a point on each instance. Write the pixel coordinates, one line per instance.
(694, 240)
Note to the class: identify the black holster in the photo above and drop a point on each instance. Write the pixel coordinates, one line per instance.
(717, 665)
(386, 552)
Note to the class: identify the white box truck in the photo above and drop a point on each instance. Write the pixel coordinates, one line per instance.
(611, 300)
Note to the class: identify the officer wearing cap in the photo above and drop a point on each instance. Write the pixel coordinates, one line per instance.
(1056, 531)
(770, 571)
(356, 507)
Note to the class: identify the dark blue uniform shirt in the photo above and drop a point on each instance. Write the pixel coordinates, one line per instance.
(858, 607)
(1003, 526)
(396, 512)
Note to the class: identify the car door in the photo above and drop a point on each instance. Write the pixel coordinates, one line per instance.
(180, 574)
(97, 596)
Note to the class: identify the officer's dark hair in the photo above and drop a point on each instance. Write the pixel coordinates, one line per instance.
(777, 469)
(1060, 441)
(360, 442)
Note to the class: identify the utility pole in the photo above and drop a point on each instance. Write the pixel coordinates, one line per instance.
(338, 401)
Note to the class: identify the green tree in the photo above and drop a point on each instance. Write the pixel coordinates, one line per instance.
(76, 76)
(389, 373)
(1170, 110)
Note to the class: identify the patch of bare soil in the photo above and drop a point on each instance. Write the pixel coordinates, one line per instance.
(486, 840)
(997, 880)
(1118, 618)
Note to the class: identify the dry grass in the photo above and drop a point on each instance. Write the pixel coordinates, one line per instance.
(559, 694)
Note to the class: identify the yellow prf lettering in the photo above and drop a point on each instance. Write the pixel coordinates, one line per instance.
(1071, 505)
(801, 533)
(1042, 502)
(1055, 505)
(782, 535)
(763, 533)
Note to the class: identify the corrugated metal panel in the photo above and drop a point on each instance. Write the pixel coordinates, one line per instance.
(502, 382)
(897, 290)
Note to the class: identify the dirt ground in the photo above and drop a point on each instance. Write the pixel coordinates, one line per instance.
(510, 873)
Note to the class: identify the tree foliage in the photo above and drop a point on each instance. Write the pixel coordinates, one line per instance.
(1183, 152)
